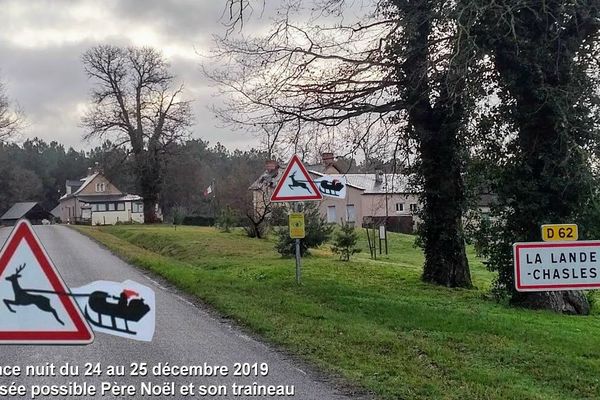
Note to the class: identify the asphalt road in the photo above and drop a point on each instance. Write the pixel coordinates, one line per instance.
(186, 334)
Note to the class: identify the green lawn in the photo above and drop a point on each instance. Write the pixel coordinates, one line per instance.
(374, 322)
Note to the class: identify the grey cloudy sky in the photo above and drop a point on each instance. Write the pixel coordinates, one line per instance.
(41, 43)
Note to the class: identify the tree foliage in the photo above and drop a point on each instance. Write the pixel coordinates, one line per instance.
(544, 56)
(344, 241)
(318, 231)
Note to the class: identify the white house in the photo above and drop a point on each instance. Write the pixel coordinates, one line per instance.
(94, 200)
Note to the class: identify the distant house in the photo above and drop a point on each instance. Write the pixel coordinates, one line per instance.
(31, 210)
(372, 199)
(94, 200)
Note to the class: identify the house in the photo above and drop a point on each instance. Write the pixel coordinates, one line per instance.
(31, 210)
(95, 200)
(371, 199)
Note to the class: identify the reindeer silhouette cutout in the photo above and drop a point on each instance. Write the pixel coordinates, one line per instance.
(296, 183)
(23, 298)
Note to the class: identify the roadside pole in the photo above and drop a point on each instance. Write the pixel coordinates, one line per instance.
(298, 261)
(296, 186)
(297, 232)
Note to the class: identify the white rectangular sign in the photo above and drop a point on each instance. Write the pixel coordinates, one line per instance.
(544, 266)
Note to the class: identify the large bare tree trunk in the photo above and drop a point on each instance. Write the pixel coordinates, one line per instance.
(568, 302)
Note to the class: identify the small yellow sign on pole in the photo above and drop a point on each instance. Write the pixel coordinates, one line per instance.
(559, 232)
(296, 222)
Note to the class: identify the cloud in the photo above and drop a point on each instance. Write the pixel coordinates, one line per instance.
(41, 42)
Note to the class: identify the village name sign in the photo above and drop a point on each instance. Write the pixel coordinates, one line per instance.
(557, 265)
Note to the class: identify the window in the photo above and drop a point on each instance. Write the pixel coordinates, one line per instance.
(331, 214)
(399, 207)
(100, 187)
(101, 206)
(413, 207)
(137, 207)
(350, 213)
(120, 206)
(111, 206)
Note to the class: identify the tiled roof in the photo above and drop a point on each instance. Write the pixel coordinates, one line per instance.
(18, 210)
(109, 197)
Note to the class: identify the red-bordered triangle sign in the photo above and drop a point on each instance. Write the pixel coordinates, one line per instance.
(296, 184)
(36, 307)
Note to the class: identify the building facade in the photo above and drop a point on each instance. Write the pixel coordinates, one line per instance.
(371, 199)
(95, 200)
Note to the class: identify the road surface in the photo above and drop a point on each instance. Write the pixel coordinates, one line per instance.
(185, 335)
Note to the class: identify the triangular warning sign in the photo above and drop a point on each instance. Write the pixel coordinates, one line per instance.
(35, 304)
(295, 184)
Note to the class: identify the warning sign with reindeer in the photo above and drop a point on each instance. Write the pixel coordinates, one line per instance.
(36, 306)
(296, 184)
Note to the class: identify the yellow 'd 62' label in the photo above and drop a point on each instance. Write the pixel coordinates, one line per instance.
(559, 232)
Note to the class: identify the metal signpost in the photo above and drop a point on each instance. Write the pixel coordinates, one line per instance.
(297, 232)
(557, 265)
(296, 185)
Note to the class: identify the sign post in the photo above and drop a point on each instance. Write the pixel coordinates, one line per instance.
(297, 232)
(297, 185)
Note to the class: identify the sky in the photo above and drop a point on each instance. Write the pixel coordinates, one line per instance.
(41, 43)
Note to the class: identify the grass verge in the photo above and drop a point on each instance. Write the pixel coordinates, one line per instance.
(373, 321)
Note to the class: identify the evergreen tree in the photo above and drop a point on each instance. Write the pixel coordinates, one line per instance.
(344, 242)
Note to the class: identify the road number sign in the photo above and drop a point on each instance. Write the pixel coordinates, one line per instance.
(296, 222)
(559, 232)
(544, 266)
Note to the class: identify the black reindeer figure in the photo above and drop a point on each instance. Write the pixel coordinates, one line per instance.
(296, 183)
(23, 298)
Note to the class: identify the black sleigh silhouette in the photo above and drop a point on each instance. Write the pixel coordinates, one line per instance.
(331, 188)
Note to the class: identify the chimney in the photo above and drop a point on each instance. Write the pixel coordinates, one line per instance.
(89, 171)
(379, 176)
(271, 166)
(327, 159)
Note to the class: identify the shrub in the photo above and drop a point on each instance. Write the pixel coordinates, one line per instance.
(317, 229)
(198, 220)
(344, 241)
(178, 214)
(226, 219)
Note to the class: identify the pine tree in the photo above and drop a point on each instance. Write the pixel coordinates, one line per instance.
(344, 242)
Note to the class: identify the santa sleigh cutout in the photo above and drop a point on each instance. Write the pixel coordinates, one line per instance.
(331, 188)
(116, 308)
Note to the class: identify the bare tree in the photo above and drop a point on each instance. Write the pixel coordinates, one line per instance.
(393, 80)
(134, 101)
(10, 119)
(257, 211)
